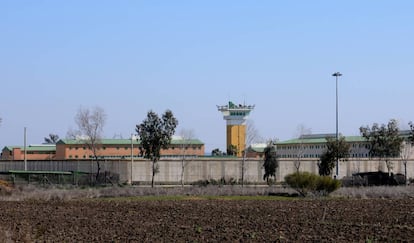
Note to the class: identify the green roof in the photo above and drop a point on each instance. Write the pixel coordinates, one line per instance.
(256, 149)
(33, 147)
(315, 140)
(128, 141)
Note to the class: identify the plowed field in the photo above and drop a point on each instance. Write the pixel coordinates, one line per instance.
(332, 220)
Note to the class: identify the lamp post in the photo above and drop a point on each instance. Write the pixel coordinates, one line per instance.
(337, 75)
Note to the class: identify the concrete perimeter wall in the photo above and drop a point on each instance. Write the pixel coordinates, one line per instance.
(203, 168)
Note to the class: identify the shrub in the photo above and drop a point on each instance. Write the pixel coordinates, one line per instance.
(305, 183)
(326, 185)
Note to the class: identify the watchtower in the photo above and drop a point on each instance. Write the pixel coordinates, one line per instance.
(235, 116)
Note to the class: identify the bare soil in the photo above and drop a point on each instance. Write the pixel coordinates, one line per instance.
(299, 220)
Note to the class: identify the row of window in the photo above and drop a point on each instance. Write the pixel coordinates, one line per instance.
(129, 156)
(367, 146)
(360, 155)
(126, 148)
(296, 147)
(296, 156)
(40, 152)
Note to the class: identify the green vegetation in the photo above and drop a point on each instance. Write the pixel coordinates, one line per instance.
(385, 141)
(156, 134)
(271, 162)
(335, 150)
(232, 150)
(307, 183)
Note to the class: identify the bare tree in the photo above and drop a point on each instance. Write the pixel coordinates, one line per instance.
(252, 136)
(301, 131)
(90, 123)
(187, 137)
(406, 148)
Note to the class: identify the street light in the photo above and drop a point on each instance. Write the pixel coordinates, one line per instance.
(336, 75)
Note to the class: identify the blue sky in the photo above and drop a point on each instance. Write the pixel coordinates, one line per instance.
(129, 57)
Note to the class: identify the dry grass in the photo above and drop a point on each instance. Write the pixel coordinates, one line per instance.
(30, 192)
(375, 192)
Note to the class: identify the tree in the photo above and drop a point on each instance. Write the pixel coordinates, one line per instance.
(271, 162)
(232, 150)
(335, 150)
(186, 136)
(301, 131)
(52, 139)
(90, 123)
(155, 134)
(217, 152)
(385, 141)
(411, 137)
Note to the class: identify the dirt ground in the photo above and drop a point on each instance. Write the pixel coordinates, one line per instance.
(317, 220)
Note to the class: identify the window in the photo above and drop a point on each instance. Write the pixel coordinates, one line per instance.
(76, 156)
(117, 148)
(70, 156)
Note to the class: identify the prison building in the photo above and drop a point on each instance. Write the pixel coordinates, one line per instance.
(124, 149)
(33, 152)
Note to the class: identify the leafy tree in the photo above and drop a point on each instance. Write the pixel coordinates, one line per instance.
(90, 123)
(271, 162)
(335, 150)
(385, 141)
(155, 134)
(52, 139)
(411, 137)
(217, 152)
(232, 150)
